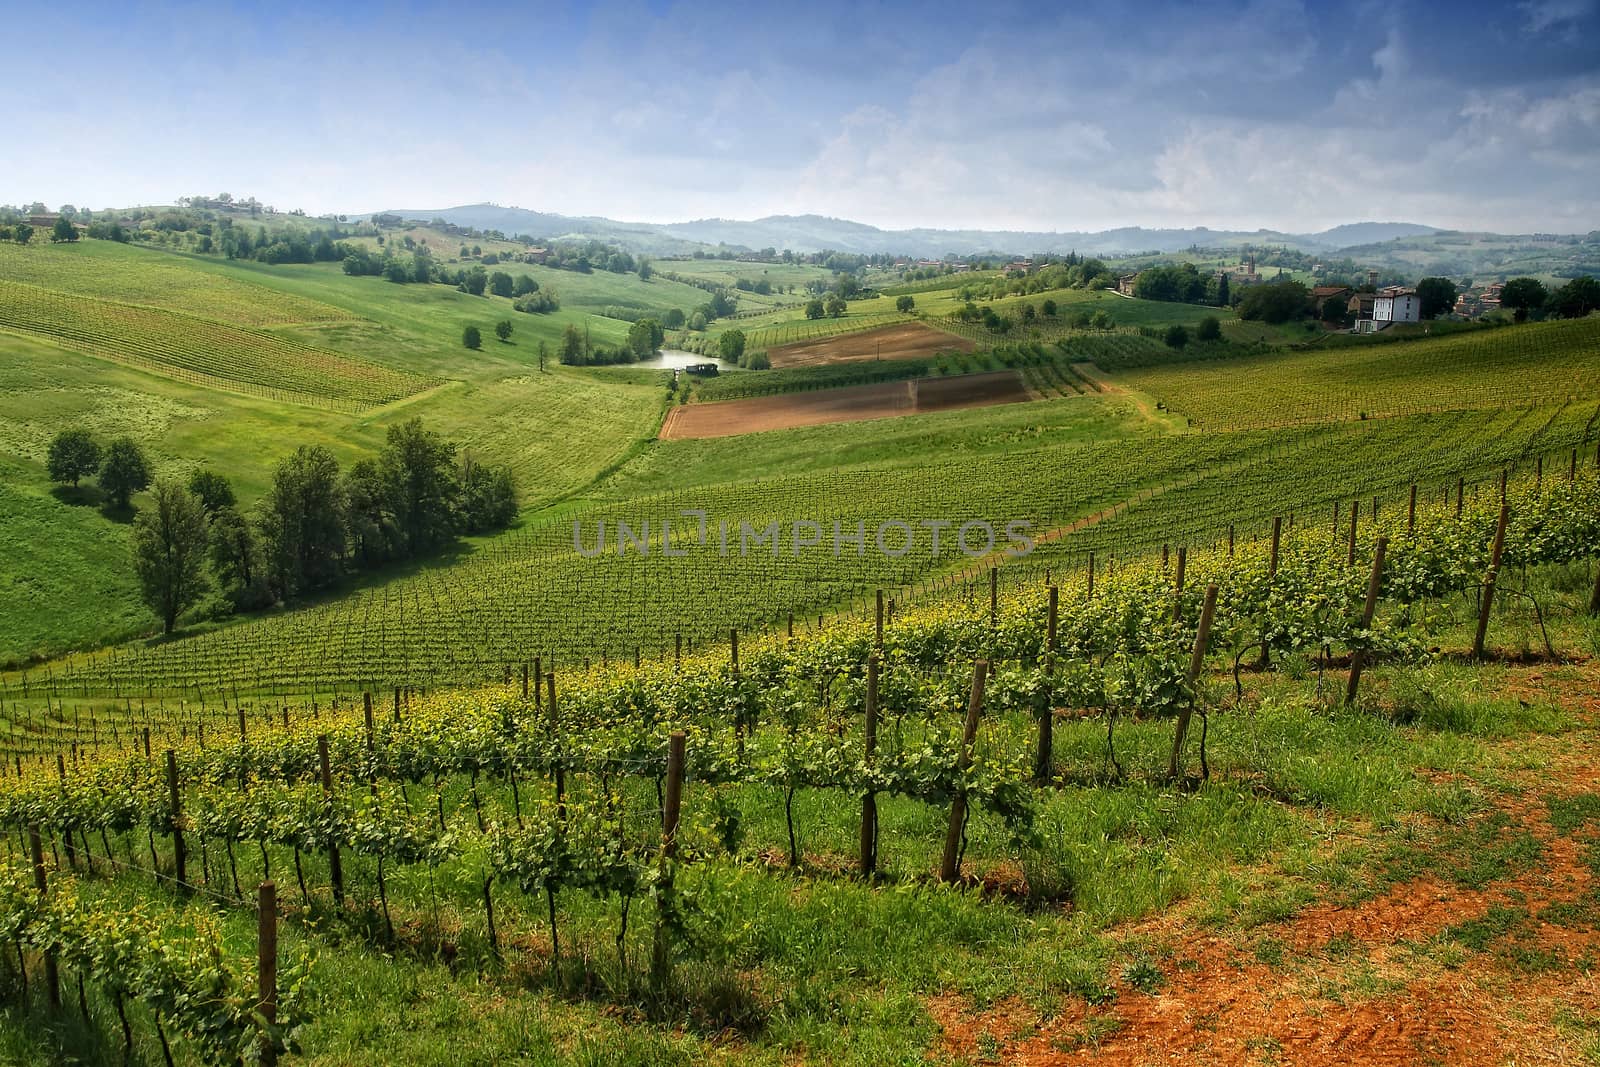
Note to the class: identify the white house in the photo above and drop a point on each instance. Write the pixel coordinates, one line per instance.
(1396, 304)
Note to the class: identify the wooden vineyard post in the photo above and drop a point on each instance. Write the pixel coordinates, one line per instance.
(869, 802)
(1358, 658)
(1489, 582)
(1177, 595)
(175, 802)
(1594, 597)
(66, 838)
(1230, 540)
(553, 725)
(1277, 539)
(1196, 660)
(672, 802)
(994, 597)
(1090, 593)
(877, 639)
(950, 865)
(52, 980)
(1538, 478)
(1044, 748)
(267, 968)
(335, 867)
(243, 736)
(791, 625)
(1572, 471)
(1355, 515)
(524, 681)
(1411, 512)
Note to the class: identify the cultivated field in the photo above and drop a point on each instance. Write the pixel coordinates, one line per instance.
(910, 340)
(851, 404)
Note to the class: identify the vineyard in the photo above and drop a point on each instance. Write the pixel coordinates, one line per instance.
(203, 352)
(109, 271)
(536, 593)
(632, 832)
(1548, 363)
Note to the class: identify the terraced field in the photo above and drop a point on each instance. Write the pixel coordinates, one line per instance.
(202, 351)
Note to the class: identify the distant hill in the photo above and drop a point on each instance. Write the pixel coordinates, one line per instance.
(1402, 245)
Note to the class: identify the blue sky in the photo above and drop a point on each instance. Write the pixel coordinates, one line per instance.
(1229, 114)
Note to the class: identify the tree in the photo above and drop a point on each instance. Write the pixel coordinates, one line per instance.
(471, 337)
(1209, 330)
(731, 345)
(417, 469)
(815, 309)
(63, 230)
(475, 280)
(1274, 302)
(502, 284)
(525, 285)
(673, 319)
(571, 346)
(302, 522)
(212, 490)
(236, 560)
(502, 329)
(1048, 308)
(22, 233)
(73, 453)
(1437, 296)
(1523, 295)
(642, 338)
(123, 471)
(1176, 336)
(646, 271)
(488, 497)
(169, 552)
(697, 321)
(544, 354)
(1577, 298)
(905, 304)
(837, 306)
(368, 524)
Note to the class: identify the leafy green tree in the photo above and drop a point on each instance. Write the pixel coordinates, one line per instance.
(488, 497)
(572, 346)
(1436, 295)
(471, 337)
(837, 306)
(502, 284)
(73, 453)
(474, 281)
(646, 271)
(731, 345)
(169, 552)
(63, 230)
(1209, 329)
(1275, 302)
(422, 267)
(22, 233)
(212, 490)
(1176, 336)
(641, 339)
(123, 471)
(697, 321)
(815, 309)
(1101, 321)
(544, 355)
(905, 304)
(369, 528)
(236, 561)
(1577, 298)
(673, 319)
(417, 468)
(502, 329)
(1048, 308)
(1523, 295)
(301, 521)
(525, 285)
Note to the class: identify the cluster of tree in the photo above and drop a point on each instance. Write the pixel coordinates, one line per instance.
(21, 233)
(316, 523)
(833, 307)
(121, 468)
(1275, 302)
(1527, 297)
(759, 286)
(1182, 283)
(577, 350)
(1070, 273)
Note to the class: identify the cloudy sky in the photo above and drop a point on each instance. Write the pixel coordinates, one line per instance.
(1272, 113)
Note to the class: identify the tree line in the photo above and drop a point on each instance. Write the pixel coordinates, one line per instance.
(315, 525)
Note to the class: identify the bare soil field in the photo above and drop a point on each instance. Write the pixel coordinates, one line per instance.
(910, 340)
(851, 404)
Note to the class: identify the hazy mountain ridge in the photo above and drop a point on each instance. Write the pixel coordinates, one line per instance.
(813, 233)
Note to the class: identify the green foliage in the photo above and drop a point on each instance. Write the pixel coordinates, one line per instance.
(235, 557)
(123, 471)
(417, 472)
(1522, 296)
(488, 497)
(731, 345)
(213, 490)
(906, 304)
(301, 523)
(22, 233)
(1176, 336)
(1577, 298)
(73, 453)
(1437, 296)
(169, 552)
(815, 309)
(1209, 330)
(474, 281)
(63, 230)
(471, 337)
(1274, 302)
(502, 329)
(502, 284)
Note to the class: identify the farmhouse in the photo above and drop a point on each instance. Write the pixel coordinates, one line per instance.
(1322, 295)
(1126, 283)
(1396, 303)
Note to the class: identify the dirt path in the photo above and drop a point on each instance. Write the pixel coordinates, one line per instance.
(1386, 981)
